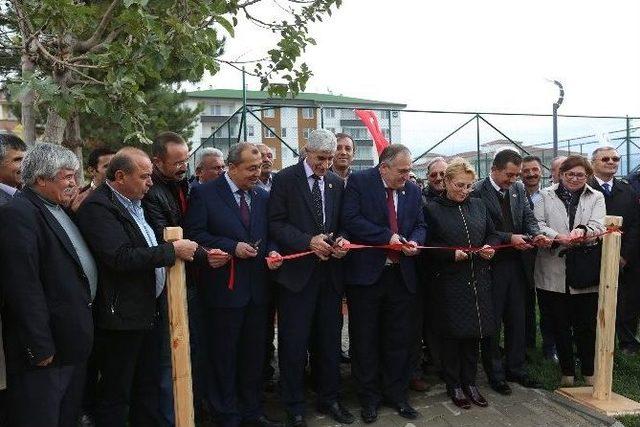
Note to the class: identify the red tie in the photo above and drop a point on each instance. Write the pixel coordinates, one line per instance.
(394, 256)
(182, 198)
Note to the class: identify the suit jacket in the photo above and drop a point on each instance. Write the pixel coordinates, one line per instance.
(126, 298)
(4, 199)
(214, 221)
(47, 296)
(292, 224)
(365, 218)
(624, 202)
(524, 221)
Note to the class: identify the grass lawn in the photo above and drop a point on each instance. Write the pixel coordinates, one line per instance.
(626, 378)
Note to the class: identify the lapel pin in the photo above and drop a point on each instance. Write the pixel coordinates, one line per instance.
(330, 185)
(403, 192)
(515, 195)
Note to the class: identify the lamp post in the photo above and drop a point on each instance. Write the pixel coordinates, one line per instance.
(556, 105)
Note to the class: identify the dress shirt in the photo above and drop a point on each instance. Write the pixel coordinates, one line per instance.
(496, 186)
(610, 182)
(311, 180)
(536, 196)
(134, 207)
(235, 189)
(8, 189)
(266, 186)
(395, 196)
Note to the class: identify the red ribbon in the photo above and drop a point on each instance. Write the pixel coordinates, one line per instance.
(232, 273)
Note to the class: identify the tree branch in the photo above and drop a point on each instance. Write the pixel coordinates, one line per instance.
(83, 46)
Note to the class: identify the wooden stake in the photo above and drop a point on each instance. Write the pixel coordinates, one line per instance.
(179, 330)
(607, 301)
(600, 396)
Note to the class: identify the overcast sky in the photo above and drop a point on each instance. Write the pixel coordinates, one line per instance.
(472, 55)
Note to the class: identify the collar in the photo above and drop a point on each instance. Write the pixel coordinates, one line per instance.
(269, 180)
(494, 185)
(124, 200)
(600, 182)
(8, 189)
(232, 185)
(308, 171)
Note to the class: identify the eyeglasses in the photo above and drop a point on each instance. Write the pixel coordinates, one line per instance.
(615, 159)
(575, 175)
(436, 174)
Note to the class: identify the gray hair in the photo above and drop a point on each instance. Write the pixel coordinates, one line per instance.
(434, 161)
(45, 161)
(207, 152)
(235, 152)
(9, 141)
(391, 152)
(322, 140)
(603, 148)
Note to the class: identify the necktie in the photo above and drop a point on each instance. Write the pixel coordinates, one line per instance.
(394, 256)
(607, 189)
(244, 209)
(316, 197)
(182, 198)
(503, 193)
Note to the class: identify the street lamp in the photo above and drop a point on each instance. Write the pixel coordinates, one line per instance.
(556, 105)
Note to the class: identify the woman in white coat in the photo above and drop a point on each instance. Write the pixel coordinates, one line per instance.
(568, 210)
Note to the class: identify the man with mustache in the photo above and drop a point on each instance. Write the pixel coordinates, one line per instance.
(165, 205)
(435, 176)
(344, 156)
(266, 167)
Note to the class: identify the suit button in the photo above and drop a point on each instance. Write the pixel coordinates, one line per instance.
(90, 305)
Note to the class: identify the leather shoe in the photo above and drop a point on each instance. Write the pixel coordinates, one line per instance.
(525, 381)
(338, 412)
(369, 414)
(263, 421)
(501, 387)
(472, 392)
(418, 384)
(296, 421)
(406, 411)
(458, 398)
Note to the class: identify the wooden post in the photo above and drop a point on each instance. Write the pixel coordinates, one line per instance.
(607, 302)
(600, 396)
(179, 337)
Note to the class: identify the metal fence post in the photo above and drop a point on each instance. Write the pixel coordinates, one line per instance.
(478, 144)
(628, 141)
(390, 138)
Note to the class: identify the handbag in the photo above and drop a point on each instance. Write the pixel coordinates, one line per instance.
(583, 265)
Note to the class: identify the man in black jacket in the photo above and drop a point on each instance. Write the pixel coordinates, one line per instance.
(621, 199)
(509, 209)
(304, 208)
(165, 205)
(49, 281)
(132, 277)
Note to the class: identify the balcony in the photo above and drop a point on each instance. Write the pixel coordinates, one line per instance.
(218, 119)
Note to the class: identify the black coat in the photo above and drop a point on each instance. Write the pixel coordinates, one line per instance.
(47, 297)
(161, 203)
(624, 202)
(292, 225)
(126, 298)
(462, 289)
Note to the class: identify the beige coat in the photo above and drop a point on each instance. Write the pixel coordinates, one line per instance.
(553, 219)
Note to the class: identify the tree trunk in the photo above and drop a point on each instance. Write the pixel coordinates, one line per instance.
(73, 141)
(27, 103)
(54, 128)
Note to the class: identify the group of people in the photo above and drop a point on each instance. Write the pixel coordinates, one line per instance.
(84, 300)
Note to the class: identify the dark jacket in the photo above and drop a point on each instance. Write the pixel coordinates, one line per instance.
(428, 194)
(161, 203)
(126, 297)
(462, 289)
(47, 297)
(292, 225)
(624, 202)
(366, 219)
(524, 221)
(214, 221)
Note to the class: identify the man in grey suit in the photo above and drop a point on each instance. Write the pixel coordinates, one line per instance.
(509, 208)
(12, 151)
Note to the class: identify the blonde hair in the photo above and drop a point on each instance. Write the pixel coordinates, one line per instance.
(459, 166)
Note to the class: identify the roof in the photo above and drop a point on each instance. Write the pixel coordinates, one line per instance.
(319, 98)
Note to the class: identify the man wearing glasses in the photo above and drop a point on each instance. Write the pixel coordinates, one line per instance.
(435, 176)
(621, 199)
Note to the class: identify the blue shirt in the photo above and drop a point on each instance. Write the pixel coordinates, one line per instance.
(235, 189)
(134, 207)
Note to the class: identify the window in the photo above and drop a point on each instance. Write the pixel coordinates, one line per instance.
(216, 110)
(332, 130)
(308, 113)
(306, 132)
(268, 133)
(330, 113)
(385, 132)
(269, 113)
(283, 132)
(384, 115)
(251, 130)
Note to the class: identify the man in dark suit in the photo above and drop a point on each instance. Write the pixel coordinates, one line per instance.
(382, 208)
(132, 277)
(304, 208)
(49, 281)
(621, 199)
(12, 151)
(231, 214)
(509, 208)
